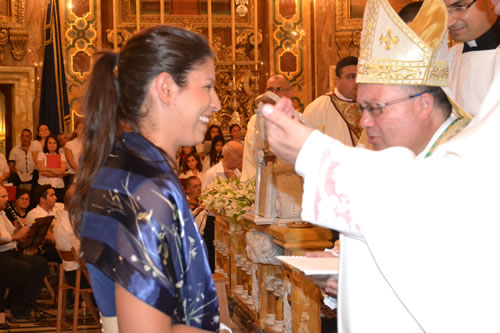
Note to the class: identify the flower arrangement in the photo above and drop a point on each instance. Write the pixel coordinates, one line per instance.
(229, 197)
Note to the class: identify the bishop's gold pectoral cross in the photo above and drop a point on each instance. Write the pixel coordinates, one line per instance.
(389, 39)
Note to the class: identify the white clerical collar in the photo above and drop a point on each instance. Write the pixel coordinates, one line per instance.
(339, 95)
(436, 136)
(472, 43)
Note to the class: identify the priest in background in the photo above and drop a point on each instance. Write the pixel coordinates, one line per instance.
(475, 60)
(335, 113)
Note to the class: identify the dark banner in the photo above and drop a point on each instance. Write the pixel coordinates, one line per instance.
(54, 106)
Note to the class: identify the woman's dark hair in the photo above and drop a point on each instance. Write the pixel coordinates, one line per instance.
(214, 156)
(231, 128)
(183, 157)
(207, 133)
(46, 149)
(38, 137)
(117, 91)
(21, 191)
(185, 167)
(78, 121)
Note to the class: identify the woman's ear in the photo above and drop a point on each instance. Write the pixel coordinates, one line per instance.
(164, 86)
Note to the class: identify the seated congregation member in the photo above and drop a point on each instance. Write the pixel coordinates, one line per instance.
(192, 166)
(20, 206)
(193, 193)
(45, 199)
(215, 153)
(73, 150)
(23, 274)
(52, 166)
(228, 167)
(142, 105)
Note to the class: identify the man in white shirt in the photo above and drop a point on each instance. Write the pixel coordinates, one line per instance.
(45, 197)
(21, 164)
(228, 167)
(279, 85)
(23, 274)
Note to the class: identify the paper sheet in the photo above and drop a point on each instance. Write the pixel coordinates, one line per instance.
(313, 266)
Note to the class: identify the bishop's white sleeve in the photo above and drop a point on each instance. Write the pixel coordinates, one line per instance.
(323, 202)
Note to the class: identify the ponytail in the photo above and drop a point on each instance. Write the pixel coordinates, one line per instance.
(102, 127)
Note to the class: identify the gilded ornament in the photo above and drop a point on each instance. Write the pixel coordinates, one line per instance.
(18, 39)
(388, 39)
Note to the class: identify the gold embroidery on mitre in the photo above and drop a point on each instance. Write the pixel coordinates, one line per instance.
(388, 39)
(400, 55)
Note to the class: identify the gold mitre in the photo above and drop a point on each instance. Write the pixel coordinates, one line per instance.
(392, 52)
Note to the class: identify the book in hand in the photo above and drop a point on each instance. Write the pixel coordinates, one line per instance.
(53, 161)
(313, 266)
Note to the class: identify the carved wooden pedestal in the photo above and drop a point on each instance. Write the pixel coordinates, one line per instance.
(269, 297)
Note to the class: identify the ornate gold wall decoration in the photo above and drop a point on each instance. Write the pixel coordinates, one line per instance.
(127, 16)
(345, 18)
(13, 29)
(122, 36)
(18, 39)
(80, 44)
(290, 49)
(4, 38)
(239, 98)
(344, 41)
(15, 17)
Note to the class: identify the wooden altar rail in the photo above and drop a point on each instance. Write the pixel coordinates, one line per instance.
(267, 297)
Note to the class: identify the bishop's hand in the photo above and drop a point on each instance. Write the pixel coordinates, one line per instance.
(285, 133)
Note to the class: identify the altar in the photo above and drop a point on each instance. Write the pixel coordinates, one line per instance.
(265, 295)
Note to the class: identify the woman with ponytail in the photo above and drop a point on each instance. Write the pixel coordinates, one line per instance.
(147, 262)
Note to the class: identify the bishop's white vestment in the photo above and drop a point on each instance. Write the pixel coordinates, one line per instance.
(420, 237)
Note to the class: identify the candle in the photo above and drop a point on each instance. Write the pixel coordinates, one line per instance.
(162, 11)
(233, 33)
(209, 11)
(255, 33)
(115, 30)
(138, 14)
